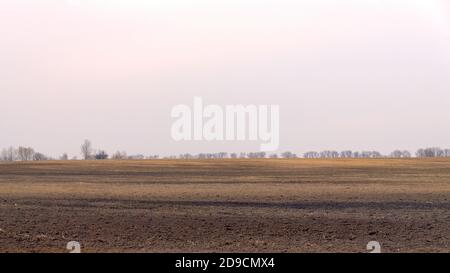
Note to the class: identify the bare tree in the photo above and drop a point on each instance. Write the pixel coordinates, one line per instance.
(21, 154)
(86, 150)
(367, 154)
(9, 154)
(119, 156)
(40, 157)
(186, 156)
(25, 154)
(256, 155)
(346, 154)
(64, 157)
(447, 152)
(288, 155)
(430, 152)
(329, 154)
(222, 155)
(139, 157)
(376, 154)
(406, 154)
(311, 155)
(396, 154)
(400, 154)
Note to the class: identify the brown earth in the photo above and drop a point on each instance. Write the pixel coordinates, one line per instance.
(226, 205)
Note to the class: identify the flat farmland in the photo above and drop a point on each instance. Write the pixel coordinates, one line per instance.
(260, 205)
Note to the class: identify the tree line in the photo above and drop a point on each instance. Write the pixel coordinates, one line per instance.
(89, 153)
(22, 154)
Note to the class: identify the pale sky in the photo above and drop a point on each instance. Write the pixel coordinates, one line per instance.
(347, 74)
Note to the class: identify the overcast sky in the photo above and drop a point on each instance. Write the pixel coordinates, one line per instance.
(347, 74)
